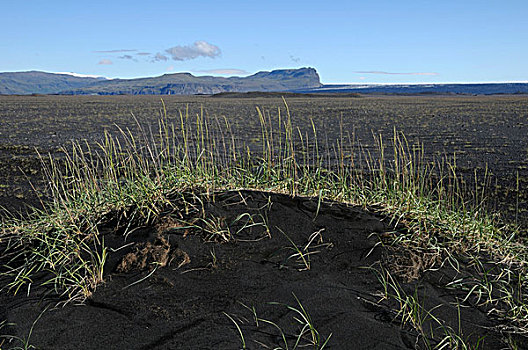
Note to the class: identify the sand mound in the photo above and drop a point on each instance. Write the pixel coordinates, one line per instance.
(249, 266)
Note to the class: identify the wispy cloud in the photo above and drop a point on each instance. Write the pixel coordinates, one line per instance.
(170, 68)
(105, 61)
(159, 57)
(116, 51)
(395, 73)
(199, 48)
(223, 71)
(189, 52)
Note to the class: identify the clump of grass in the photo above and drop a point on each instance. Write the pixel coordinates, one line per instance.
(410, 310)
(306, 336)
(218, 228)
(301, 254)
(135, 179)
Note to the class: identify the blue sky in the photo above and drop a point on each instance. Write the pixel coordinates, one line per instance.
(346, 41)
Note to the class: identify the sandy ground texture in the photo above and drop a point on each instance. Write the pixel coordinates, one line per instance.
(178, 286)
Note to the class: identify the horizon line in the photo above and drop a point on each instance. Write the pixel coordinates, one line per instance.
(433, 83)
(323, 83)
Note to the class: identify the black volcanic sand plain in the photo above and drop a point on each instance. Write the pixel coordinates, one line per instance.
(201, 287)
(486, 135)
(175, 288)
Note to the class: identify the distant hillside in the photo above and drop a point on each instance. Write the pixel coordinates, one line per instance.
(414, 89)
(302, 80)
(34, 82)
(173, 84)
(188, 84)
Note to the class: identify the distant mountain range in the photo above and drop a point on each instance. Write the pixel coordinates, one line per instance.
(302, 80)
(173, 84)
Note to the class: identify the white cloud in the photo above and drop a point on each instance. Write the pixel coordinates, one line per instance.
(79, 75)
(105, 61)
(199, 48)
(170, 68)
(189, 52)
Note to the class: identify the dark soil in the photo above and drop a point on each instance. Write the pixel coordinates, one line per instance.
(486, 134)
(173, 287)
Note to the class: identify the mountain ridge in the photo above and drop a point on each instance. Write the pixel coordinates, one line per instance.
(301, 80)
(35, 82)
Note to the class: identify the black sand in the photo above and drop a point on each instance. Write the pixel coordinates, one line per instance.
(183, 305)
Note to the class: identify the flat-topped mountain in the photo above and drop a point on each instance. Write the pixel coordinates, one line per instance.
(188, 84)
(173, 84)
